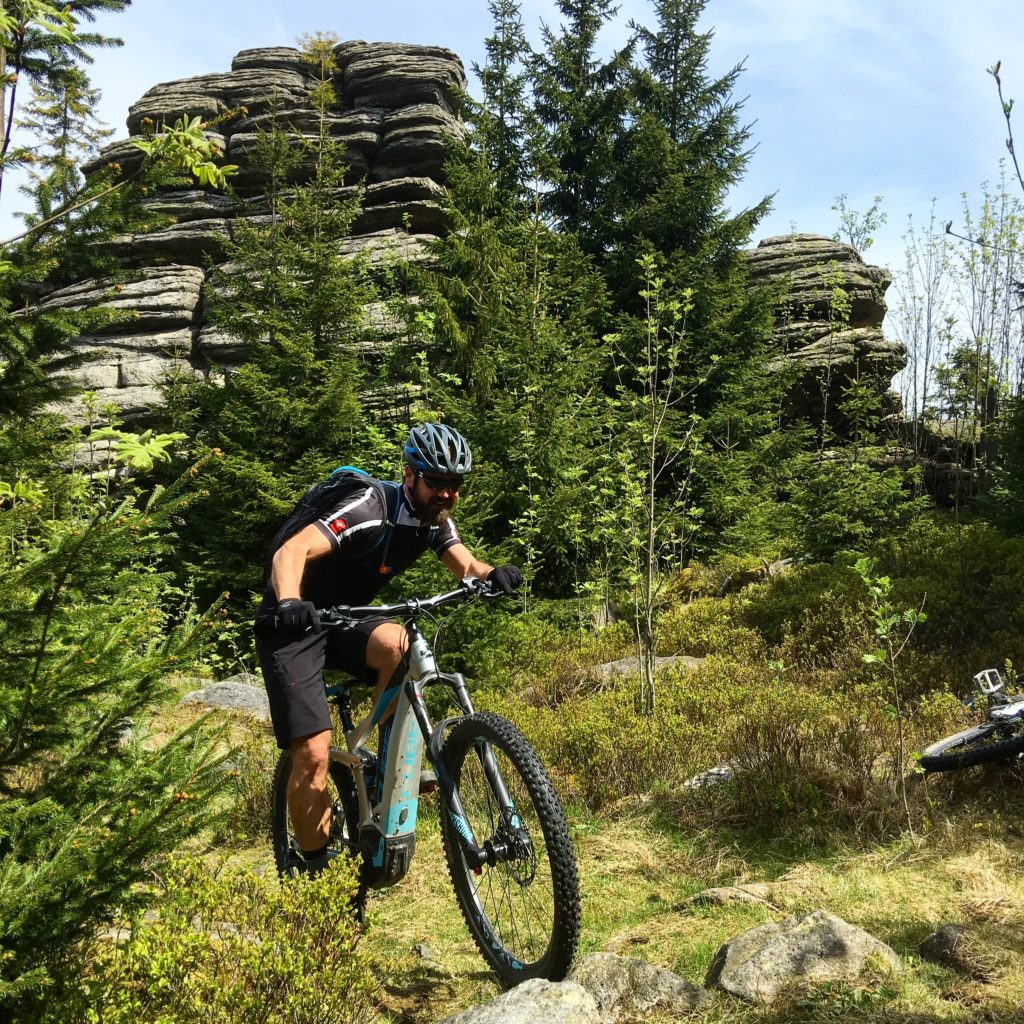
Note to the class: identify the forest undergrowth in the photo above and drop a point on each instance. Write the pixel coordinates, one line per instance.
(813, 816)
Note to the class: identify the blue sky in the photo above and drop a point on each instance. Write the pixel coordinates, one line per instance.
(876, 97)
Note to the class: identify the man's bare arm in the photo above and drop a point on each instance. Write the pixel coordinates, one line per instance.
(462, 563)
(290, 561)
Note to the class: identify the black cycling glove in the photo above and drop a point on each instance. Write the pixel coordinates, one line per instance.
(505, 578)
(295, 614)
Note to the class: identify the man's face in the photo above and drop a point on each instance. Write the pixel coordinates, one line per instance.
(433, 495)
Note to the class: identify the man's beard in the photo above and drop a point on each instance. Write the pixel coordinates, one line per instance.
(430, 515)
(434, 516)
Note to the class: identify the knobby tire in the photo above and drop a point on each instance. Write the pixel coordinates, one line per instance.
(523, 913)
(982, 744)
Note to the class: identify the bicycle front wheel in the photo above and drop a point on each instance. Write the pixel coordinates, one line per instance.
(983, 744)
(523, 910)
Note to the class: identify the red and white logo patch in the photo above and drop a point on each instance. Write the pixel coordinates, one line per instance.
(337, 525)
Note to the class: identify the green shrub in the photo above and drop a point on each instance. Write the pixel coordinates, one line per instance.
(708, 626)
(237, 947)
(970, 580)
(247, 819)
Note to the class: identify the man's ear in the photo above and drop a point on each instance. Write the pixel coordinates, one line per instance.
(407, 474)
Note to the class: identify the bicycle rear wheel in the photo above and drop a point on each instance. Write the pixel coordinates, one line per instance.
(344, 828)
(982, 744)
(524, 910)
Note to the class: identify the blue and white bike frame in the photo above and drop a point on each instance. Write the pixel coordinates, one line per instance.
(387, 824)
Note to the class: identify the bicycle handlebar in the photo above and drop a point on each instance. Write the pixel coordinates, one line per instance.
(411, 608)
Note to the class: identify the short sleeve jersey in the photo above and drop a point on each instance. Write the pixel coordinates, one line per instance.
(362, 560)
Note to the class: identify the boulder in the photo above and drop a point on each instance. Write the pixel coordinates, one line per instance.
(631, 666)
(398, 75)
(763, 963)
(535, 1002)
(233, 696)
(959, 949)
(398, 110)
(422, 217)
(134, 404)
(813, 265)
(830, 347)
(209, 96)
(285, 58)
(122, 152)
(716, 776)
(193, 242)
(191, 204)
(631, 989)
(758, 893)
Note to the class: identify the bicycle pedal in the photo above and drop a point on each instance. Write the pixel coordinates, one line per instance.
(428, 782)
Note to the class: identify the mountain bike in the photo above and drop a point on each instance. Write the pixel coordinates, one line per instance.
(503, 829)
(999, 738)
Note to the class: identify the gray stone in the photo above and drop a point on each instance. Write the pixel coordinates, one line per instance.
(218, 346)
(193, 242)
(160, 298)
(763, 963)
(177, 344)
(393, 75)
(399, 99)
(286, 57)
(423, 117)
(809, 263)
(955, 947)
(721, 773)
(383, 247)
(410, 151)
(719, 896)
(122, 152)
(829, 350)
(191, 204)
(631, 666)
(535, 1002)
(233, 696)
(421, 217)
(211, 95)
(625, 987)
(134, 404)
(404, 190)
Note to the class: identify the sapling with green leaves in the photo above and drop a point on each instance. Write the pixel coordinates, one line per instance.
(657, 440)
(893, 628)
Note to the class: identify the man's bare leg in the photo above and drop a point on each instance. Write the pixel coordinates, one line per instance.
(308, 803)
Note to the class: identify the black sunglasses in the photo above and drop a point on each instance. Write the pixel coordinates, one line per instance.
(442, 483)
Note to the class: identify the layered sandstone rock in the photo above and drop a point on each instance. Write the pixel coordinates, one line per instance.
(398, 113)
(832, 340)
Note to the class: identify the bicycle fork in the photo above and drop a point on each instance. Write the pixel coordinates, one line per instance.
(510, 842)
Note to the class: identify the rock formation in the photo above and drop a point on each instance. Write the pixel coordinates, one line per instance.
(399, 105)
(398, 110)
(829, 346)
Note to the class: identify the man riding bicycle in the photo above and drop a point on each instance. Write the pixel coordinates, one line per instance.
(346, 556)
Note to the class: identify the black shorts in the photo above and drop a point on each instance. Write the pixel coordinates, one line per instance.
(293, 666)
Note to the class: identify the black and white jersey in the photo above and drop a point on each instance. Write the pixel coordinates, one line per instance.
(366, 553)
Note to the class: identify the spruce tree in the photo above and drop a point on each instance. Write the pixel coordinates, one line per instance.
(582, 100)
(516, 363)
(503, 120)
(39, 41)
(292, 411)
(60, 115)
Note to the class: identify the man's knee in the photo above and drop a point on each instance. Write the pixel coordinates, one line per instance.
(311, 755)
(387, 647)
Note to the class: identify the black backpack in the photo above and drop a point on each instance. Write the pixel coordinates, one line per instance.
(321, 498)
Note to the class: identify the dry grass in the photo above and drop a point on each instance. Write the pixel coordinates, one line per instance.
(637, 872)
